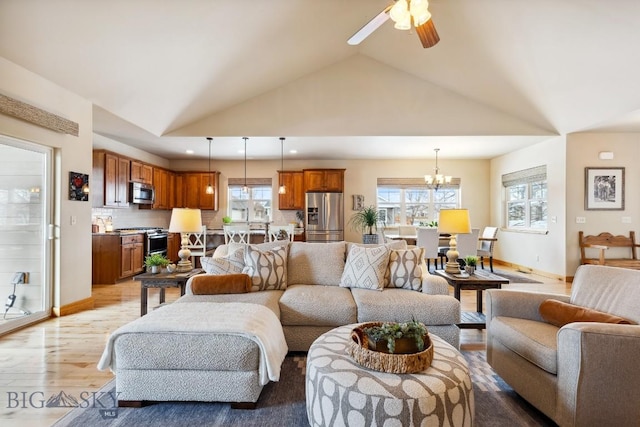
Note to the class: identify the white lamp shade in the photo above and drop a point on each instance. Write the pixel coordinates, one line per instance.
(184, 220)
(454, 221)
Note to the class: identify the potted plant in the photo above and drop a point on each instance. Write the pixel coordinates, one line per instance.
(226, 220)
(397, 338)
(366, 220)
(470, 263)
(155, 262)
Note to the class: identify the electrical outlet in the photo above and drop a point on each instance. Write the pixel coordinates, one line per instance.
(581, 220)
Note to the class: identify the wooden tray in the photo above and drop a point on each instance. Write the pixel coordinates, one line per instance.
(358, 349)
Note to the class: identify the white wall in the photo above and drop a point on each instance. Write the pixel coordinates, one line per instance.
(542, 252)
(582, 151)
(72, 269)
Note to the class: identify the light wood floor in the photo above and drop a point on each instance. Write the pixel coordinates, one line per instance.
(61, 354)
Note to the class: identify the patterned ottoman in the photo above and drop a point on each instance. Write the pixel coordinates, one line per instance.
(341, 392)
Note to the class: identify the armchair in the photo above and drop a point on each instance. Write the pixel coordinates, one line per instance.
(584, 373)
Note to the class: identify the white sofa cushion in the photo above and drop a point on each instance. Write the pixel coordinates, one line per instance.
(317, 305)
(406, 268)
(269, 299)
(366, 267)
(315, 263)
(402, 305)
(231, 263)
(267, 269)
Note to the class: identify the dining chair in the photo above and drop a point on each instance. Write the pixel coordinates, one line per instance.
(427, 238)
(197, 244)
(467, 244)
(236, 233)
(487, 242)
(281, 232)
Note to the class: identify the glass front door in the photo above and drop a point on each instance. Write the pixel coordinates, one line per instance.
(25, 248)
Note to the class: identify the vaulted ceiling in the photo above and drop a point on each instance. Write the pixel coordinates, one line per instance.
(164, 74)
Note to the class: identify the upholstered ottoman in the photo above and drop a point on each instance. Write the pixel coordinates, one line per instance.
(341, 392)
(199, 351)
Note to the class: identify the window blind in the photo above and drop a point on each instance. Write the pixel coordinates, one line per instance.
(251, 182)
(413, 182)
(538, 173)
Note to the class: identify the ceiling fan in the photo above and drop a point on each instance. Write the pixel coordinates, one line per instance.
(406, 14)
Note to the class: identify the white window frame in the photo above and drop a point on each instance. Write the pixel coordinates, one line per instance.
(526, 179)
(249, 198)
(433, 206)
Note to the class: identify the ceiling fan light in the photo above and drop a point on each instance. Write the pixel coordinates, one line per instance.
(399, 10)
(420, 17)
(404, 24)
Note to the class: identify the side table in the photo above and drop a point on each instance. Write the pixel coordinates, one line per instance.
(479, 281)
(162, 281)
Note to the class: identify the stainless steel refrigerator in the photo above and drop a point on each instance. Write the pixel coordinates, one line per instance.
(324, 217)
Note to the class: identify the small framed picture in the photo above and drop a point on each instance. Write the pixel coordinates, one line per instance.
(358, 202)
(78, 186)
(604, 189)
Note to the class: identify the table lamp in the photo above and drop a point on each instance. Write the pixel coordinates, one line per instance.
(453, 221)
(185, 221)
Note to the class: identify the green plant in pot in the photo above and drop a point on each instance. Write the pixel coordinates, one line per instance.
(366, 221)
(226, 220)
(397, 338)
(470, 263)
(155, 262)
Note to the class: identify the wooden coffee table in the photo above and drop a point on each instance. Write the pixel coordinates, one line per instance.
(162, 281)
(479, 281)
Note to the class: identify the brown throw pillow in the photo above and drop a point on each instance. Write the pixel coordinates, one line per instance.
(560, 313)
(212, 284)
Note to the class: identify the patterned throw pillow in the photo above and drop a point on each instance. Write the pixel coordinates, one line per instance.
(406, 269)
(267, 269)
(231, 264)
(365, 268)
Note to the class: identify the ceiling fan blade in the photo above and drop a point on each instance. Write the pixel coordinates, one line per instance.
(370, 27)
(428, 34)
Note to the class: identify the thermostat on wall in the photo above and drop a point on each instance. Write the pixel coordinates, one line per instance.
(606, 155)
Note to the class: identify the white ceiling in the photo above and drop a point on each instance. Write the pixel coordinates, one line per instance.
(164, 74)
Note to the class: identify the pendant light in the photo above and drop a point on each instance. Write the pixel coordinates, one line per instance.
(209, 189)
(245, 188)
(282, 189)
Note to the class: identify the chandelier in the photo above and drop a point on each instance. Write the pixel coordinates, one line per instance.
(404, 11)
(436, 181)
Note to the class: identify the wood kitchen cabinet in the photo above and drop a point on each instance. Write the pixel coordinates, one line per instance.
(174, 242)
(110, 186)
(294, 197)
(131, 255)
(194, 188)
(330, 180)
(141, 172)
(161, 189)
(116, 257)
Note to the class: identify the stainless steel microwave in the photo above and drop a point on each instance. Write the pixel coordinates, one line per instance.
(141, 194)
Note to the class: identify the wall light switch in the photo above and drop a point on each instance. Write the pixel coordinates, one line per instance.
(626, 220)
(581, 220)
(554, 219)
(74, 219)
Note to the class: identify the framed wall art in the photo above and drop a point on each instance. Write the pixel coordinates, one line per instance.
(358, 202)
(604, 189)
(78, 186)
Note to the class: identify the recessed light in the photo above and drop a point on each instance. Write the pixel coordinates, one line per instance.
(190, 151)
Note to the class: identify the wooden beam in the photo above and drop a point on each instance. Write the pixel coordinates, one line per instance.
(37, 116)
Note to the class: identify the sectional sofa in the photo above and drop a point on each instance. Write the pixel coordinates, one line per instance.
(315, 287)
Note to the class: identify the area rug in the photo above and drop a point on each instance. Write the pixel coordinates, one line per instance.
(514, 277)
(283, 404)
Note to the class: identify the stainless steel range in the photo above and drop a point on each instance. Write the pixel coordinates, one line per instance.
(156, 240)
